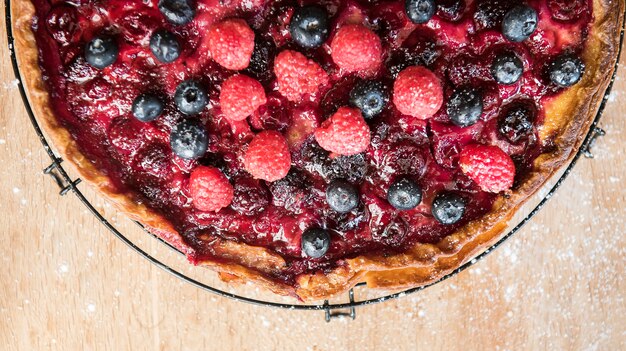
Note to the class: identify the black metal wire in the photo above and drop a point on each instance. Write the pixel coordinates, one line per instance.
(66, 184)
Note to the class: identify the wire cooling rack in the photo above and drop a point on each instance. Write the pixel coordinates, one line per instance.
(68, 185)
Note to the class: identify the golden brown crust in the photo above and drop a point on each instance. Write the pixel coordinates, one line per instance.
(568, 118)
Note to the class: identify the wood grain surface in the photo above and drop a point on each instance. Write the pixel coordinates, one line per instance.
(66, 283)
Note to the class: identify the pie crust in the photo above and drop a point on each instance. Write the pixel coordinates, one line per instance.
(567, 120)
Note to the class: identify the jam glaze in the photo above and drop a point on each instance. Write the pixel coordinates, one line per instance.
(95, 106)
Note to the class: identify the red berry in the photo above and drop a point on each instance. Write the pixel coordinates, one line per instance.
(344, 133)
(231, 43)
(417, 92)
(356, 48)
(210, 189)
(268, 156)
(241, 96)
(304, 121)
(297, 75)
(490, 167)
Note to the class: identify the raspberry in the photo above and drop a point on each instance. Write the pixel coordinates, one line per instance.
(356, 48)
(304, 121)
(241, 96)
(268, 156)
(490, 167)
(344, 133)
(231, 43)
(210, 189)
(297, 75)
(417, 92)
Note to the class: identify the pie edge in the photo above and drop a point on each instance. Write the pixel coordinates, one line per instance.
(421, 265)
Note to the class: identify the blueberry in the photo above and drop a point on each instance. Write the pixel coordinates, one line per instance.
(177, 12)
(315, 242)
(448, 208)
(342, 196)
(147, 107)
(189, 139)
(420, 11)
(101, 52)
(507, 68)
(517, 123)
(465, 106)
(519, 23)
(370, 97)
(309, 26)
(404, 194)
(190, 97)
(164, 46)
(566, 70)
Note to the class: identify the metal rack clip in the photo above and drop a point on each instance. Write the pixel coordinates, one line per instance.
(595, 134)
(53, 171)
(352, 310)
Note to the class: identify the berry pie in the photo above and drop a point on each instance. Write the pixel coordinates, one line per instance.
(308, 146)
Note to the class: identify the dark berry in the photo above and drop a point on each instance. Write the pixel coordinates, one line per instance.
(101, 51)
(262, 60)
(316, 160)
(419, 49)
(342, 196)
(177, 12)
(393, 233)
(292, 192)
(451, 10)
(370, 97)
(401, 59)
(164, 46)
(147, 107)
(190, 97)
(62, 23)
(404, 194)
(519, 23)
(315, 242)
(420, 11)
(154, 160)
(125, 136)
(423, 44)
(448, 208)
(517, 123)
(189, 139)
(309, 26)
(251, 197)
(566, 70)
(489, 14)
(465, 106)
(352, 168)
(507, 68)
(567, 10)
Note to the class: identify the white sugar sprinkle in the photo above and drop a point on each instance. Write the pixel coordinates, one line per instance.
(63, 268)
(91, 307)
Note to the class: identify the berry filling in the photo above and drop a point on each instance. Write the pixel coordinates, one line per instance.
(320, 131)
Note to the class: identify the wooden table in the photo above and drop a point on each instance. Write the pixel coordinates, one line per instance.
(68, 284)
